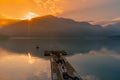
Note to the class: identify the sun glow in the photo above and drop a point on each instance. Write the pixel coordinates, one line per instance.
(30, 15)
(30, 60)
(27, 9)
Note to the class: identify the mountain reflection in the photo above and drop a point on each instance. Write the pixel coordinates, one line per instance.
(72, 46)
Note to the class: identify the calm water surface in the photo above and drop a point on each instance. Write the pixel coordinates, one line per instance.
(93, 59)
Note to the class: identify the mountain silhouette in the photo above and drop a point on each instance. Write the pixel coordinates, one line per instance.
(51, 26)
(4, 22)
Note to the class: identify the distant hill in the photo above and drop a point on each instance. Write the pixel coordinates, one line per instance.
(50, 26)
(4, 22)
(113, 30)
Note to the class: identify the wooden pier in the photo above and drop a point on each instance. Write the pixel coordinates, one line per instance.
(61, 69)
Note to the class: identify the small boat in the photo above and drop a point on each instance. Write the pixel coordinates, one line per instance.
(37, 47)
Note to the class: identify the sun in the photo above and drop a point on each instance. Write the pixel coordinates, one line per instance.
(30, 15)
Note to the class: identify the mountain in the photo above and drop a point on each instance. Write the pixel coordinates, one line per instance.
(51, 26)
(4, 22)
(113, 29)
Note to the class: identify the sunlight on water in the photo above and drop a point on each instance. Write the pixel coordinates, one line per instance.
(14, 66)
(30, 59)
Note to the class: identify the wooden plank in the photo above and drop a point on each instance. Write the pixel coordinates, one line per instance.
(59, 66)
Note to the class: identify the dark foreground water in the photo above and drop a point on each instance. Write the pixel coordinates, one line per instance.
(93, 59)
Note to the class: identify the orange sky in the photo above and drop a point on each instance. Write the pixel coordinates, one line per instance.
(80, 10)
(20, 8)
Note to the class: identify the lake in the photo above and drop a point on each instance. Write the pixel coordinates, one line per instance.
(92, 59)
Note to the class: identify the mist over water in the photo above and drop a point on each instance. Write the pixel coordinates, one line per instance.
(93, 59)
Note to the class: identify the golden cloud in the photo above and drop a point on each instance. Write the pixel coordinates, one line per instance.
(19, 8)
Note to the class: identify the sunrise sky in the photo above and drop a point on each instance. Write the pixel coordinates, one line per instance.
(80, 10)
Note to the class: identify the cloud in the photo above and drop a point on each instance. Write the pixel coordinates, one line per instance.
(105, 23)
(16, 8)
(87, 10)
(103, 51)
(19, 8)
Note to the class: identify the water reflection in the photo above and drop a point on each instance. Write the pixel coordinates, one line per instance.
(97, 65)
(93, 59)
(70, 45)
(14, 66)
